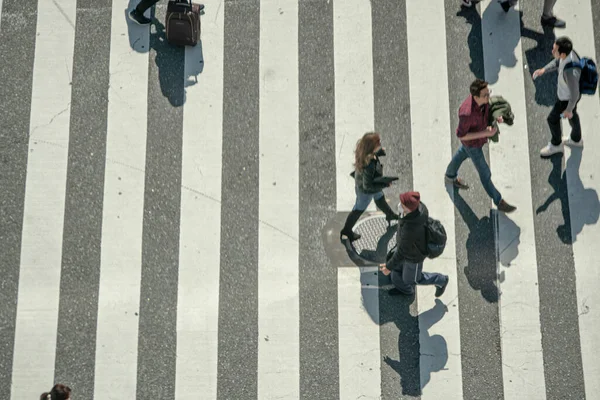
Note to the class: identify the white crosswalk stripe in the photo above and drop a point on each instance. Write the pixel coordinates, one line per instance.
(528, 366)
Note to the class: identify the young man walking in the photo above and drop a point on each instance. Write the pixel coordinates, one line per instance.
(137, 14)
(406, 265)
(473, 131)
(568, 96)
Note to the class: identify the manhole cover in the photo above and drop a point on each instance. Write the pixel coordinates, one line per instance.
(376, 238)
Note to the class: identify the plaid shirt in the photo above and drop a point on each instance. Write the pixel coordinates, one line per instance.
(472, 118)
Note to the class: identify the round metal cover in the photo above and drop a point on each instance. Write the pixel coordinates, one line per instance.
(376, 238)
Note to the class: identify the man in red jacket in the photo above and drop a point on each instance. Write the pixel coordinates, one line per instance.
(473, 131)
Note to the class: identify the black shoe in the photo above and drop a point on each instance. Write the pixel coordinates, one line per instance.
(553, 22)
(387, 210)
(396, 292)
(201, 7)
(505, 5)
(351, 235)
(138, 17)
(441, 289)
(505, 207)
(350, 221)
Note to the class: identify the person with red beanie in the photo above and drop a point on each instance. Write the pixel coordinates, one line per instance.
(406, 265)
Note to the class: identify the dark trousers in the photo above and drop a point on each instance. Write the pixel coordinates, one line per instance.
(554, 122)
(145, 4)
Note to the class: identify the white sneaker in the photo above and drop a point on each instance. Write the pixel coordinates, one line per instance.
(567, 141)
(551, 149)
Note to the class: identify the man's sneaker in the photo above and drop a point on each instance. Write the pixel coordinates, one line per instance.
(551, 149)
(553, 22)
(457, 182)
(567, 141)
(138, 17)
(505, 207)
(505, 5)
(439, 290)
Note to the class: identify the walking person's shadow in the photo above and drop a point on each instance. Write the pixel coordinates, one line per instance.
(176, 68)
(585, 201)
(419, 354)
(481, 269)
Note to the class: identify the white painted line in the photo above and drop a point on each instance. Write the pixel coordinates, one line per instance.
(278, 310)
(583, 183)
(358, 310)
(359, 349)
(200, 225)
(122, 216)
(441, 373)
(41, 246)
(354, 104)
(521, 339)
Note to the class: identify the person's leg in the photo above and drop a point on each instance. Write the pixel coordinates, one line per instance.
(400, 286)
(575, 126)
(360, 205)
(459, 157)
(485, 174)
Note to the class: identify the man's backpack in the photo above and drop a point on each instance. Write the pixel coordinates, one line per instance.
(588, 82)
(435, 235)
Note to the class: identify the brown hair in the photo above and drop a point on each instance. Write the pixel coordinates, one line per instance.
(477, 86)
(58, 392)
(365, 149)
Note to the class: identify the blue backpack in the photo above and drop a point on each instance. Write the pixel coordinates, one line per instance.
(588, 82)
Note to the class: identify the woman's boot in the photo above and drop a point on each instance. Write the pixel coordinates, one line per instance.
(385, 207)
(350, 221)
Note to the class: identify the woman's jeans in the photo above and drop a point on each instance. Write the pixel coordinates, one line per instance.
(364, 199)
(485, 175)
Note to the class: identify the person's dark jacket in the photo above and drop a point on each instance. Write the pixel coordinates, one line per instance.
(411, 238)
(365, 179)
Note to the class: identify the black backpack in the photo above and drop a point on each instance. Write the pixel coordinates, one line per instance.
(588, 81)
(435, 236)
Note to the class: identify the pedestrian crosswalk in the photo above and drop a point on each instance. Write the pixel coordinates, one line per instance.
(170, 217)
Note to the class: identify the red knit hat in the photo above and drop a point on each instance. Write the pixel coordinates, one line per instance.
(410, 200)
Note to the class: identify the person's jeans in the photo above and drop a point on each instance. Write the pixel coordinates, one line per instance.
(483, 169)
(555, 126)
(364, 199)
(412, 274)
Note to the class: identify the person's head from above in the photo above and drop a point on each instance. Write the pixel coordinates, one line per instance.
(480, 91)
(58, 392)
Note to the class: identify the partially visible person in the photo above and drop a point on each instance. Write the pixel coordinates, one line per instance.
(58, 392)
(137, 14)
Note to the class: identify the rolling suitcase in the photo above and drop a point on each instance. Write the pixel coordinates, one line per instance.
(182, 23)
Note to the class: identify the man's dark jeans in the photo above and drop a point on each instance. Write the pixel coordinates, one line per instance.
(554, 122)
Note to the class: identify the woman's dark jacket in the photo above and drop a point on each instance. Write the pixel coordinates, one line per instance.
(365, 179)
(411, 238)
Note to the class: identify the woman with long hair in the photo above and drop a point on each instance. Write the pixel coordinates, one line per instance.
(58, 392)
(367, 168)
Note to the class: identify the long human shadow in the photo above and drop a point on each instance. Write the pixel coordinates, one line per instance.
(480, 271)
(415, 341)
(537, 57)
(501, 42)
(413, 330)
(176, 68)
(585, 201)
(474, 40)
